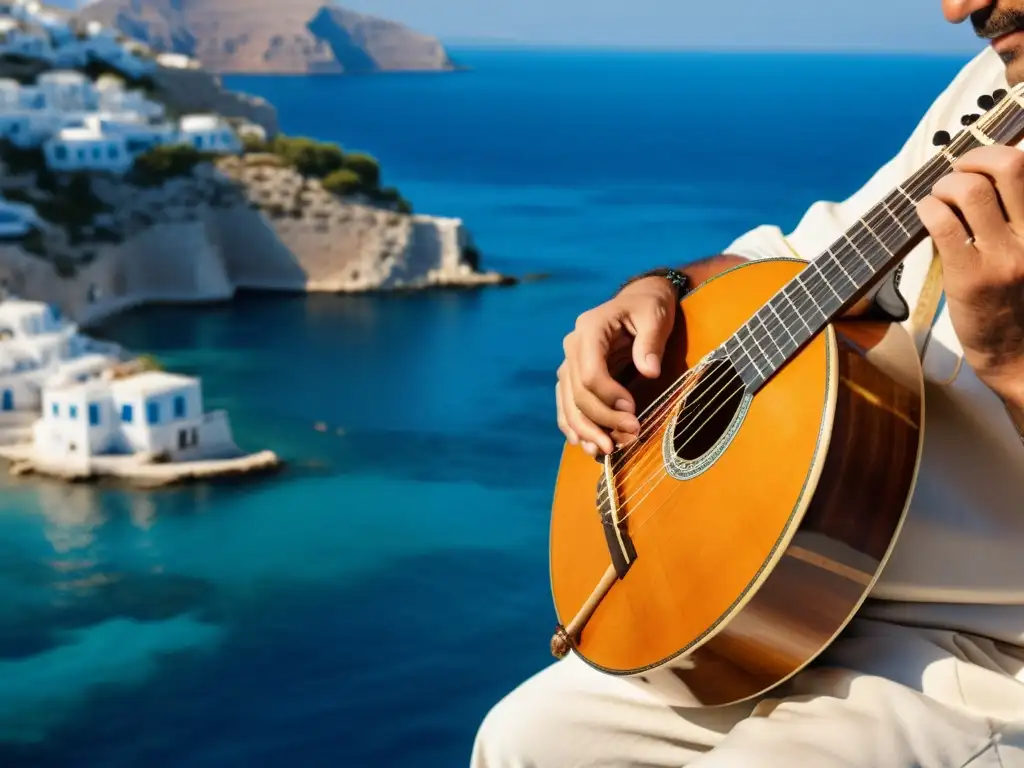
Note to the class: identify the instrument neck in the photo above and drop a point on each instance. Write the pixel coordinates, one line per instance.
(838, 277)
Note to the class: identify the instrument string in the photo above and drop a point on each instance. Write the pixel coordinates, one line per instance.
(831, 271)
(673, 394)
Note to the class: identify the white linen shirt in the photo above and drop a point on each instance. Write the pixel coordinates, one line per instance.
(963, 542)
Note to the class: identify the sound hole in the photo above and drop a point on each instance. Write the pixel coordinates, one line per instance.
(708, 410)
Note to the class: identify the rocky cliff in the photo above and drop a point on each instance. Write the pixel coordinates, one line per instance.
(197, 91)
(238, 225)
(272, 36)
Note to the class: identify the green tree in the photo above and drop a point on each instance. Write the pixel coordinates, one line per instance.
(343, 182)
(365, 166)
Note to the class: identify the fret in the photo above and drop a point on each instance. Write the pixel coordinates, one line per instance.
(855, 261)
(903, 192)
(858, 251)
(836, 258)
(900, 209)
(765, 358)
(894, 217)
(795, 309)
(980, 136)
(782, 323)
(874, 235)
(771, 334)
(745, 369)
(821, 276)
(810, 295)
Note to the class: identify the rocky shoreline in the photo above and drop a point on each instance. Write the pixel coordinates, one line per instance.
(242, 223)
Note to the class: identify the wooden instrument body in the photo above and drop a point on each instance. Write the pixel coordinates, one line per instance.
(748, 569)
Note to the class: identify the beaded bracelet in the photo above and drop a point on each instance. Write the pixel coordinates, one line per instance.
(678, 279)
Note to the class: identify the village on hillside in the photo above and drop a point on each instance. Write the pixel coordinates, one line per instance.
(71, 406)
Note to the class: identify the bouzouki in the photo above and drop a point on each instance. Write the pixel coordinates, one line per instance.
(725, 549)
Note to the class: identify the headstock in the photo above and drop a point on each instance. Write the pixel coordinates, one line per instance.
(985, 102)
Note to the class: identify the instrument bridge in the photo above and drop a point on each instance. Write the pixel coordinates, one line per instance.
(616, 532)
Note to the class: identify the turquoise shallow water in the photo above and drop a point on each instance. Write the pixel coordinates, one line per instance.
(368, 605)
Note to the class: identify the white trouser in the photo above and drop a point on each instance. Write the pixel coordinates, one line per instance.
(883, 696)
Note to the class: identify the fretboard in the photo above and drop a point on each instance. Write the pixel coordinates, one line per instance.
(834, 280)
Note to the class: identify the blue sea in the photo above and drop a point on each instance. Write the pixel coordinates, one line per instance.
(366, 607)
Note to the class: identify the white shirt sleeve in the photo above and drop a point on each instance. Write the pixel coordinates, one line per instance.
(826, 221)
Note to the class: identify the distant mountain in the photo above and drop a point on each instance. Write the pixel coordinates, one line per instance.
(272, 36)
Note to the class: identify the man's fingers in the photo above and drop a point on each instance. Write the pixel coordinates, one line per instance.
(652, 323)
(948, 233)
(1005, 166)
(563, 421)
(974, 196)
(586, 430)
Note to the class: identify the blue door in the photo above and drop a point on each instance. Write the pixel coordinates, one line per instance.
(8, 404)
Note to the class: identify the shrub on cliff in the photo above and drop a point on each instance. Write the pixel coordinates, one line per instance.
(161, 163)
(343, 182)
(366, 167)
(253, 144)
(309, 157)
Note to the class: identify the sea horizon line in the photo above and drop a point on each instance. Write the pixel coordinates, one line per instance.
(501, 44)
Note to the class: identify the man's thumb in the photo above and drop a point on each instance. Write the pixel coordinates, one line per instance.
(653, 326)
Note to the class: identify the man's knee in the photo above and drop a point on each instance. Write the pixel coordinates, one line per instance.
(509, 735)
(529, 726)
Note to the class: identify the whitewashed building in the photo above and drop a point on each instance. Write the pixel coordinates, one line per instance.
(16, 40)
(67, 91)
(209, 133)
(10, 94)
(176, 61)
(104, 44)
(36, 343)
(112, 97)
(150, 413)
(140, 133)
(57, 28)
(86, 149)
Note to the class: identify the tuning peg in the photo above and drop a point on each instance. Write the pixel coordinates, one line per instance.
(941, 138)
(968, 119)
(986, 102)
(999, 95)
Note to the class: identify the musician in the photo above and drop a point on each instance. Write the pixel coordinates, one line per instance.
(931, 672)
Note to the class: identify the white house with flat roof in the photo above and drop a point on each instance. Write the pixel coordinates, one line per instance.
(17, 40)
(67, 91)
(10, 94)
(119, 100)
(36, 344)
(87, 149)
(140, 133)
(154, 413)
(103, 45)
(176, 61)
(209, 133)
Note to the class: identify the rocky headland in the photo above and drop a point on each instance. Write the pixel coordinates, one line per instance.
(205, 228)
(273, 36)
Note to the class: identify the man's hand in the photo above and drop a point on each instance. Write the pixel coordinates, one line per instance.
(984, 278)
(633, 325)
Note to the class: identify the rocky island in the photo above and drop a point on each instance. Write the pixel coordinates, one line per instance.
(272, 36)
